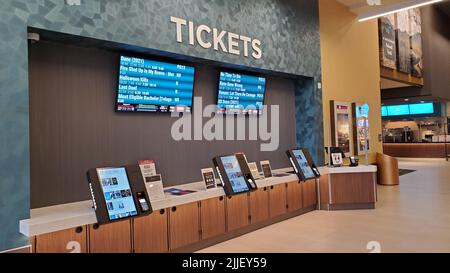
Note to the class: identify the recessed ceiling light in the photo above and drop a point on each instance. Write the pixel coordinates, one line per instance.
(386, 10)
(406, 99)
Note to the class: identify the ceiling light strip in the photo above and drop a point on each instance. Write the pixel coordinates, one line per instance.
(386, 10)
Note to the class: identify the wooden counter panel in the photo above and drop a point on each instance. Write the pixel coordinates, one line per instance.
(151, 233)
(259, 205)
(237, 211)
(324, 189)
(110, 238)
(184, 225)
(277, 200)
(415, 150)
(352, 188)
(33, 244)
(58, 242)
(212, 213)
(309, 193)
(294, 196)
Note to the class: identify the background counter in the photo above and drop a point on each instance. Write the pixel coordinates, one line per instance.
(417, 150)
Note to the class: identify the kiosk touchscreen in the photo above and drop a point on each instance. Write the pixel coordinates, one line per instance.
(303, 164)
(118, 193)
(230, 174)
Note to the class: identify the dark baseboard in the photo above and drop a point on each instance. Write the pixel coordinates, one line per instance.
(358, 206)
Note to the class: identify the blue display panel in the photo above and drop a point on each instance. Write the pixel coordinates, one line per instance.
(425, 108)
(117, 192)
(234, 174)
(241, 94)
(421, 108)
(384, 112)
(151, 86)
(303, 163)
(398, 110)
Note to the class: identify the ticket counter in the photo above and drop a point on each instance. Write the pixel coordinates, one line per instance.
(201, 219)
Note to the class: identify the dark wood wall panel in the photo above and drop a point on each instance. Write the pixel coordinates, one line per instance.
(74, 127)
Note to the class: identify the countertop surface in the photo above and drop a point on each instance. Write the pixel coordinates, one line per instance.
(66, 216)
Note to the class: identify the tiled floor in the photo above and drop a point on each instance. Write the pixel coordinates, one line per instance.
(414, 217)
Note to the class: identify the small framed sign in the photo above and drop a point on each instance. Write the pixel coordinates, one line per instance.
(254, 170)
(148, 168)
(209, 178)
(154, 186)
(267, 169)
(336, 159)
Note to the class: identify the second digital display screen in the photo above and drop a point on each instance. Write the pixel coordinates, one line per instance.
(241, 94)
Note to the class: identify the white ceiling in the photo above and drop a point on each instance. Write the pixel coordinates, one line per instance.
(362, 8)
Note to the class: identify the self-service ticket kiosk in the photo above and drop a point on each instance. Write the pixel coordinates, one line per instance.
(229, 170)
(303, 164)
(118, 193)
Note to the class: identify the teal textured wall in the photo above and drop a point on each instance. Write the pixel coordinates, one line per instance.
(288, 30)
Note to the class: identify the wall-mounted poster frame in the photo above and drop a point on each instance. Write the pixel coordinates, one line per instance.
(361, 128)
(341, 118)
(388, 46)
(403, 42)
(416, 42)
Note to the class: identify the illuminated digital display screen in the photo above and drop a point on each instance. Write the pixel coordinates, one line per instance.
(398, 110)
(117, 192)
(152, 86)
(426, 108)
(241, 94)
(421, 108)
(304, 165)
(384, 112)
(234, 174)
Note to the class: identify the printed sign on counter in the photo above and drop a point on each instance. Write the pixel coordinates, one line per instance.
(336, 159)
(254, 170)
(155, 188)
(209, 178)
(148, 168)
(267, 169)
